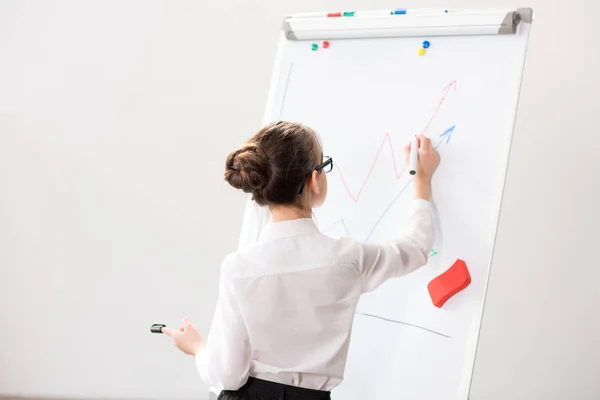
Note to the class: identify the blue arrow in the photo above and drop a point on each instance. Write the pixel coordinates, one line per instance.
(445, 137)
(447, 134)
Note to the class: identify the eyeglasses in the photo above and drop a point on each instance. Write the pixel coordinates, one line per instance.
(326, 165)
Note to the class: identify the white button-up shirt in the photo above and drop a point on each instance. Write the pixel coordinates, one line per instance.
(286, 304)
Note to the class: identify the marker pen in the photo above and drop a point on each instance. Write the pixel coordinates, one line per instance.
(413, 158)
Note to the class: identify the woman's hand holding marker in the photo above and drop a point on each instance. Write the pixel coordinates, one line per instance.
(427, 160)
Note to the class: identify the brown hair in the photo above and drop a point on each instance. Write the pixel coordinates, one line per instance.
(274, 163)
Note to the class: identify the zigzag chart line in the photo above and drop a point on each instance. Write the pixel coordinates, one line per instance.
(447, 89)
(444, 137)
(356, 197)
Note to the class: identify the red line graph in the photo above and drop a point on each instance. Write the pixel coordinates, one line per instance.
(398, 174)
(449, 87)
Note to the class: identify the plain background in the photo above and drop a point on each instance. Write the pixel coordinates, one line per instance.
(115, 120)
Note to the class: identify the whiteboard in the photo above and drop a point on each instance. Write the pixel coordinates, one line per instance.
(367, 97)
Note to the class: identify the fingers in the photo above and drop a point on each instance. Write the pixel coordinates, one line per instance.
(424, 143)
(187, 324)
(425, 146)
(429, 144)
(169, 332)
(174, 332)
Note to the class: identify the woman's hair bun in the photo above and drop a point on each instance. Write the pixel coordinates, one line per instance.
(247, 168)
(275, 163)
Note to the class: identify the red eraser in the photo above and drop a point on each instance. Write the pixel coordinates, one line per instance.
(446, 285)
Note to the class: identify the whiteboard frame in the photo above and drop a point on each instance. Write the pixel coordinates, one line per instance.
(256, 217)
(385, 24)
(476, 329)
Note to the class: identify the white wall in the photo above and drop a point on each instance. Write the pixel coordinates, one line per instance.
(115, 119)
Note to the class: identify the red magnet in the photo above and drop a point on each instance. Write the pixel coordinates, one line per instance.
(325, 44)
(446, 285)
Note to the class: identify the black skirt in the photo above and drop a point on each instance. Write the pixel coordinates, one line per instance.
(258, 389)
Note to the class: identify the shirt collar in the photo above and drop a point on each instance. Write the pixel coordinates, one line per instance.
(295, 227)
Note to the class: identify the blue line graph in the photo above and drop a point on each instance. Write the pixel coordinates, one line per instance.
(386, 210)
(445, 137)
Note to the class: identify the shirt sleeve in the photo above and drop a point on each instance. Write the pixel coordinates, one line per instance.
(225, 361)
(380, 262)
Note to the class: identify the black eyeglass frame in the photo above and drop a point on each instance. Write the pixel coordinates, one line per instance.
(327, 163)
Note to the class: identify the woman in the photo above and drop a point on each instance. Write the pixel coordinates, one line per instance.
(286, 304)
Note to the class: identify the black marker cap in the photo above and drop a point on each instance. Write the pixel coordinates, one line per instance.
(157, 328)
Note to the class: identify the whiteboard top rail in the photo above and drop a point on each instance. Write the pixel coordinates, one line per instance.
(404, 23)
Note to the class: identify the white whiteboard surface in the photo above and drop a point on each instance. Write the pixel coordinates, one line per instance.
(367, 98)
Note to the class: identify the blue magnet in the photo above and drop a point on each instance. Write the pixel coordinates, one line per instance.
(426, 44)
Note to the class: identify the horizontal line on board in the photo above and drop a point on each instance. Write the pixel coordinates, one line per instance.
(403, 323)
